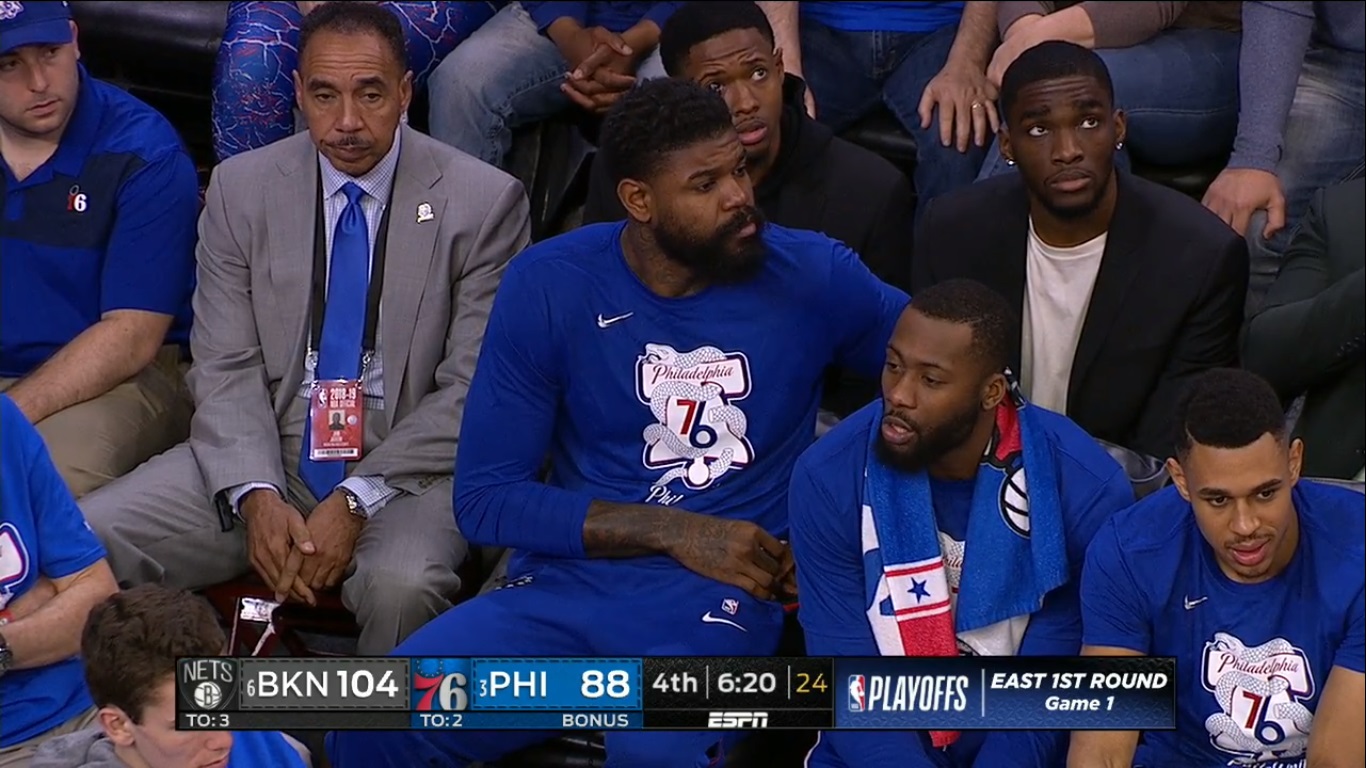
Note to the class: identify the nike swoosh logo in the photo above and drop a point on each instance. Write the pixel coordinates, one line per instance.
(1192, 603)
(603, 322)
(710, 619)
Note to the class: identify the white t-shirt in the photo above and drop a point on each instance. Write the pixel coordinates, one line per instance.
(1058, 285)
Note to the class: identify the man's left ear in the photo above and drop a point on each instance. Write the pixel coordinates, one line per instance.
(996, 390)
(778, 61)
(1121, 128)
(75, 39)
(1296, 459)
(405, 90)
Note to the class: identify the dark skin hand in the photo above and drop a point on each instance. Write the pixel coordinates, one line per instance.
(602, 63)
(333, 532)
(275, 529)
(734, 552)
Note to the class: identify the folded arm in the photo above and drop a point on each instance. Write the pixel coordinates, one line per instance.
(1297, 338)
(148, 272)
(53, 631)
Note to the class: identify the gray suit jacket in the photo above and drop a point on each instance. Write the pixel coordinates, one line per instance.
(251, 306)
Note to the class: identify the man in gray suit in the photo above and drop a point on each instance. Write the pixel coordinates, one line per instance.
(408, 240)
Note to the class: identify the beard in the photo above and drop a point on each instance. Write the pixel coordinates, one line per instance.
(724, 257)
(929, 444)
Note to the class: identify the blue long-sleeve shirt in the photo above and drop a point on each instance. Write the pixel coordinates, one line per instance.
(614, 16)
(1276, 36)
(837, 586)
(701, 403)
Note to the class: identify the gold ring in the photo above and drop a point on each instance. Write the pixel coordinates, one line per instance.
(976, 105)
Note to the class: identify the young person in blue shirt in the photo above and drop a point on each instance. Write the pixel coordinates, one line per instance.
(100, 200)
(129, 647)
(670, 366)
(1252, 578)
(52, 571)
(941, 456)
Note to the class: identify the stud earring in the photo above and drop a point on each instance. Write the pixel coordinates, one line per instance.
(1010, 161)
(1119, 145)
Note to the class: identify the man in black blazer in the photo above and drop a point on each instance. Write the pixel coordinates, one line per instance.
(804, 176)
(1126, 289)
(1307, 339)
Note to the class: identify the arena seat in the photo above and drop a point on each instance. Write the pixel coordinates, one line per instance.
(1146, 473)
(880, 132)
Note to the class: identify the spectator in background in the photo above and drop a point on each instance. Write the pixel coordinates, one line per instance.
(926, 61)
(96, 255)
(1301, 125)
(1252, 579)
(533, 60)
(52, 571)
(1307, 339)
(898, 482)
(1126, 288)
(129, 650)
(670, 367)
(385, 324)
(253, 80)
(803, 175)
(1174, 68)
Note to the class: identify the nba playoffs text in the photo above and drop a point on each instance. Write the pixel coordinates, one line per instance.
(677, 693)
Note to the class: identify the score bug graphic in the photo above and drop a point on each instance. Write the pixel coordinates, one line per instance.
(441, 685)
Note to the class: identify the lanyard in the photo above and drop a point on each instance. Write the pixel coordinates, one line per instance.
(318, 300)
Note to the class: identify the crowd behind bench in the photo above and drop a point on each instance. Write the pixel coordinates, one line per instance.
(373, 396)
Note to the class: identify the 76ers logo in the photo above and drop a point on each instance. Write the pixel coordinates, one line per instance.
(1005, 454)
(699, 433)
(1260, 691)
(14, 562)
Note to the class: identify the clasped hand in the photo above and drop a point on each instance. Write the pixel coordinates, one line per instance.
(734, 552)
(296, 557)
(602, 67)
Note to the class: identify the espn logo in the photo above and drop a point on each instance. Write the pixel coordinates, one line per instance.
(737, 720)
(857, 693)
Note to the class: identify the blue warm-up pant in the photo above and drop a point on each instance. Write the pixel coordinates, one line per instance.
(582, 608)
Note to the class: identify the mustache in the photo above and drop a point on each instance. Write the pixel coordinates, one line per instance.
(747, 216)
(350, 142)
(902, 420)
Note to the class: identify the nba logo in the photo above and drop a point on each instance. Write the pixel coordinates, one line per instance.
(856, 693)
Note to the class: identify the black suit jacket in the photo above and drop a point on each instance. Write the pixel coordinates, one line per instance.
(1167, 304)
(1307, 339)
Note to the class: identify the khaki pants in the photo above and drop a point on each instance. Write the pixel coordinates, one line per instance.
(105, 438)
(19, 755)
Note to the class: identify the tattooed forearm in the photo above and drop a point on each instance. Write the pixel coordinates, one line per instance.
(627, 530)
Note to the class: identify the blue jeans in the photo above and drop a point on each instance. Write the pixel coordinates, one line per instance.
(1324, 144)
(850, 72)
(253, 82)
(1179, 93)
(504, 76)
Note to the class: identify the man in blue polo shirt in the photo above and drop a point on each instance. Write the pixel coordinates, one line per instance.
(52, 572)
(97, 232)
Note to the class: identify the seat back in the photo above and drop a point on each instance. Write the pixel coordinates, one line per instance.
(1146, 474)
(1351, 485)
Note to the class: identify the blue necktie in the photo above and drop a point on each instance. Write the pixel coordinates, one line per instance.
(339, 349)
